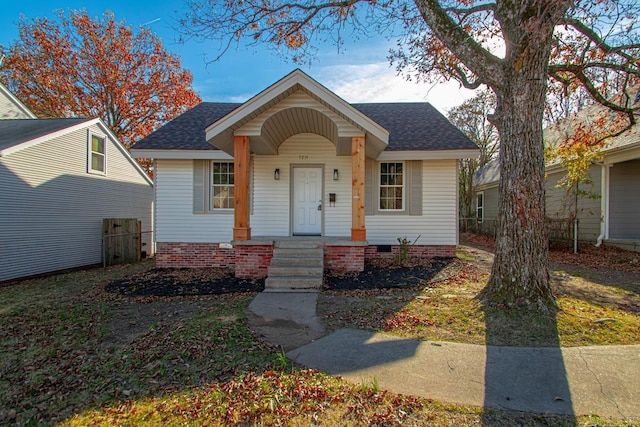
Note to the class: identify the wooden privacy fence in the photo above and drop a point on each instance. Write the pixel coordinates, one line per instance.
(121, 241)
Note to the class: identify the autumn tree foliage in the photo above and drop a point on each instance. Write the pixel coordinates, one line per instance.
(576, 143)
(79, 66)
(472, 118)
(518, 49)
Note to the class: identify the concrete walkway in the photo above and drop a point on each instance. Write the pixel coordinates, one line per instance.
(603, 380)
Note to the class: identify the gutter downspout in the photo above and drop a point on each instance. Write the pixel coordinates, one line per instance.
(604, 204)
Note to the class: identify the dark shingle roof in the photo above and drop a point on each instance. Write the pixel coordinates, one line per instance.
(186, 132)
(416, 126)
(17, 131)
(411, 126)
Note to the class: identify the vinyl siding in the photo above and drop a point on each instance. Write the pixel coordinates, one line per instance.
(270, 202)
(624, 200)
(175, 220)
(271, 205)
(491, 204)
(9, 110)
(52, 209)
(438, 223)
(559, 205)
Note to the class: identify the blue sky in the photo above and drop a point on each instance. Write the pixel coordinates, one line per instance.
(360, 74)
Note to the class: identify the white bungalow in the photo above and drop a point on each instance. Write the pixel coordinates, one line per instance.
(298, 162)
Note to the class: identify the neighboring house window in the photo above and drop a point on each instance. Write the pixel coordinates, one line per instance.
(480, 206)
(391, 186)
(97, 154)
(222, 185)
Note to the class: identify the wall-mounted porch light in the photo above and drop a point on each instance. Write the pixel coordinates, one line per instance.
(276, 174)
(335, 175)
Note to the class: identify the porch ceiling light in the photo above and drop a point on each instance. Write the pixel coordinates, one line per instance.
(276, 174)
(335, 175)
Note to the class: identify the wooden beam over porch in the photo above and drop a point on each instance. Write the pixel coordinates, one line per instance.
(242, 159)
(358, 231)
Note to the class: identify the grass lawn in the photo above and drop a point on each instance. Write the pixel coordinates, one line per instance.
(72, 354)
(445, 308)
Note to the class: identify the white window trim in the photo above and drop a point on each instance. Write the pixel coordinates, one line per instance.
(480, 218)
(211, 186)
(90, 135)
(404, 187)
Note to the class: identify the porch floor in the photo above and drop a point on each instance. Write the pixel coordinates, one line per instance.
(320, 240)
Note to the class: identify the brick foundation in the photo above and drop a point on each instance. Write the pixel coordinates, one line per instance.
(419, 251)
(252, 261)
(193, 255)
(344, 258)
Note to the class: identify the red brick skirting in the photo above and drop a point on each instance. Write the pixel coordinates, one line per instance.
(252, 261)
(420, 251)
(193, 255)
(344, 258)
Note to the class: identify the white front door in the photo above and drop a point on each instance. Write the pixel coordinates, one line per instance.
(307, 201)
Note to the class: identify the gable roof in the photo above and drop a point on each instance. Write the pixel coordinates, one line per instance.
(411, 126)
(15, 101)
(15, 132)
(18, 134)
(487, 174)
(390, 127)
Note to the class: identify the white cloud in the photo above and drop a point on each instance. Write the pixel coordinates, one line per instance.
(378, 82)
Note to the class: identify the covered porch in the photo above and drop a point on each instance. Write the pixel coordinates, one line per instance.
(298, 150)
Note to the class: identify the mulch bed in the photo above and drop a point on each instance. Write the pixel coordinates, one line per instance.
(383, 274)
(171, 282)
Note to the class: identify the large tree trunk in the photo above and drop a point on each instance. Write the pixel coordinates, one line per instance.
(520, 274)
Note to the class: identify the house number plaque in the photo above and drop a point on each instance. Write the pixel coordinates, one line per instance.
(303, 157)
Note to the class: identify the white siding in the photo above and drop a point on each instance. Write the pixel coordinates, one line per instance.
(271, 207)
(270, 202)
(175, 220)
(438, 223)
(52, 210)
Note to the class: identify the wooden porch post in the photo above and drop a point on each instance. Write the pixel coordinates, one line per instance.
(358, 231)
(242, 158)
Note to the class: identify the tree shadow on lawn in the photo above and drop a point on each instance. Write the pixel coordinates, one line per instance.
(531, 379)
(366, 299)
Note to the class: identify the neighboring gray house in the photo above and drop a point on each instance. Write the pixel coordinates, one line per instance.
(296, 162)
(58, 179)
(11, 107)
(608, 208)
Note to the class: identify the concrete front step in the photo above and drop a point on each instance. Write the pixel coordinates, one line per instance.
(293, 282)
(298, 244)
(298, 253)
(295, 265)
(297, 262)
(301, 271)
